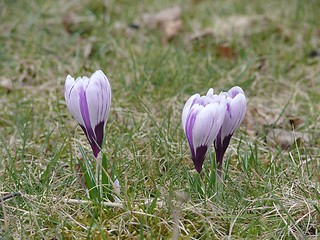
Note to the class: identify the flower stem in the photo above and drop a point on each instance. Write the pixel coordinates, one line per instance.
(98, 177)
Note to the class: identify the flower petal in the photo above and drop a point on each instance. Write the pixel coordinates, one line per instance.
(234, 91)
(200, 157)
(235, 112)
(202, 118)
(208, 124)
(98, 98)
(68, 86)
(99, 132)
(89, 100)
(186, 110)
(190, 121)
(72, 99)
(236, 109)
(210, 92)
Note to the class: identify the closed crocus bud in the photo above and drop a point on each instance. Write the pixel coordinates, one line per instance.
(236, 109)
(202, 118)
(88, 100)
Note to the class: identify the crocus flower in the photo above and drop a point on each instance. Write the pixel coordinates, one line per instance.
(88, 100)
(202, 118)
(236, 109)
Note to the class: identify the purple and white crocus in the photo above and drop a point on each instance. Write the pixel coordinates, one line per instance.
(212, 119)
(234, 115)
(88, 100)
(202, 118)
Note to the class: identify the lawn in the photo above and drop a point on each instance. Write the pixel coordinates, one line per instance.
(156, 54)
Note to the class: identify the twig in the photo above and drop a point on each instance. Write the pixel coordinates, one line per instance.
(79, 201)
(65, 200)
(7, 196)
(73, 201)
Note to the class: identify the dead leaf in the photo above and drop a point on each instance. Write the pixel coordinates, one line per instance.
(227, 27)
(171, 29)
(226, 51)
(79, 175)
(116, 186)
(259, 115)
(6, 83)
(87, 50)
(73, 23)
(13, 84)
(167, 20)
(263, 64)
(155, 20)
(69, 21)
(313, 54)
(198, 36)
(295, 122)
(28, 70)
(285, 139)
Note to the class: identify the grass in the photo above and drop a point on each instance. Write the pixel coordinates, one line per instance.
(266, 192)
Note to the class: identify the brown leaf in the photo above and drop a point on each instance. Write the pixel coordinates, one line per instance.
(16, 84)
(70, 21)
(285, 139)
(87, 50)
(262, 64)
(314, 53)
(155, 20)
(167, 20)
(261, 115)
(256, 117)
(295, 122)
(239, 25)
(6, 83)
(171, 29)
(74, 23)
(79, 175)
(226, 51)
(197, 36)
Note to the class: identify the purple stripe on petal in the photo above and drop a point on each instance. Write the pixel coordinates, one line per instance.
(95, 143)
(70, 91)
(86, 119)
(84, 110)
(235, 91)
(229, 109)
(92, 142)
(200, 156)
(189, 128)
(88, 100)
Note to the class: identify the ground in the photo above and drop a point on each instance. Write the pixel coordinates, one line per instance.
(156, 54)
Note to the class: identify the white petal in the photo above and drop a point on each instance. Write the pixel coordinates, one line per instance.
(98, 95)
(186, 109)
(238, 108)
(72, 98)
(210, 92)
(208, 124)
(67, 86)
(235, 115)
(106, 94)
(234, 91)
